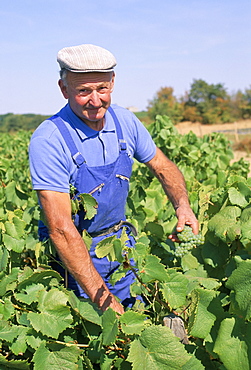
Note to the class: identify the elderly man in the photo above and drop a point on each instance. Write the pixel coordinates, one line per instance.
(91, 144)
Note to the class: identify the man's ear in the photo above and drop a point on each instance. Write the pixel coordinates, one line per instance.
(63, 89)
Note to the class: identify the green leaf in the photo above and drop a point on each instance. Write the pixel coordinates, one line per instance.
(233, 344)
(246, 230)
(132, 322)
(110, 327)
(215, 255)
(175, 289)
(30, 294)
(225, 224)
(8, 282)
(13, 364)
(4, 258)
(240, 284)
(40, 276)
(236, 198)
(63, 359)
(246, 214)
(106, 247)
(15, 228)
(188, 262)
(155, 229)
(90, 205)
(13, 195)
(200, 275)
(54, 316)
(19, 345)
(153, 270)
(88, 311)
(154, 201)
(204, 310)
(16, 245)
(193, 364)
(157, 348)
(33, 339)
(6, 309)
(11, 332)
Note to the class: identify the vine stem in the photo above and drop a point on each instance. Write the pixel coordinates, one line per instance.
(70, 344)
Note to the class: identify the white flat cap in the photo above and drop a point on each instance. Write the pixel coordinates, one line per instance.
(86, 58)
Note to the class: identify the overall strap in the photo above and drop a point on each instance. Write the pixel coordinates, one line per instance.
(122, 142)
(76, 155)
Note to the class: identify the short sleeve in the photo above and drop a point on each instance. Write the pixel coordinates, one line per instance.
(48, 165)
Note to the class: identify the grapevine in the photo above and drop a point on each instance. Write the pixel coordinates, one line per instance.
(43, 325)
(188, 241)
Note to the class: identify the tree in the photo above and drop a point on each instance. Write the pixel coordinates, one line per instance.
(165, 103)
(211, 101)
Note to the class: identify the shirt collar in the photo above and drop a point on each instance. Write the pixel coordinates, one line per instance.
(82, 129)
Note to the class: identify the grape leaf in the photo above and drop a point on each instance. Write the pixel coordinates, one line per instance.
(204, 310)
(225, 224)
(63, 359)
(132, 322)
(236, 198)
(157, 348)
(90, 205)
(153, 270)
(54, 315)
(233, 343)
(175, 289)
(240, 284)
(6, 364)
(110, 327)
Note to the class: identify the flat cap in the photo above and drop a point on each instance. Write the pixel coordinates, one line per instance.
(86, 58)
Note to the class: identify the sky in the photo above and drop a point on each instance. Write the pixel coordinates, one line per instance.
(163, 43)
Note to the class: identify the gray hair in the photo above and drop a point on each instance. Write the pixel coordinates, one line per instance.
(63, 76)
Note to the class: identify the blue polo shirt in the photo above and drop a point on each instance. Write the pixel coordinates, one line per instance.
(51, 165)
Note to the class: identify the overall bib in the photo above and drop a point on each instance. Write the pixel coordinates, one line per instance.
(109, 185)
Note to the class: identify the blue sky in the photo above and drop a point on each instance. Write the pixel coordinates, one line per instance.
(156, 44)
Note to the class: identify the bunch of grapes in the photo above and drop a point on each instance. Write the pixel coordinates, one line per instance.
(188, 241)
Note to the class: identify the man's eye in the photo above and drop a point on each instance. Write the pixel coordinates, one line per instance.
(103, 88)
(83, 92)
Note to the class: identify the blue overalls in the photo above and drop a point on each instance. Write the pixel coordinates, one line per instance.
(109, 185)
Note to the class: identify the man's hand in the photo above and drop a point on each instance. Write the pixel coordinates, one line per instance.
(174, 186)
(110, 301)
(185, 216)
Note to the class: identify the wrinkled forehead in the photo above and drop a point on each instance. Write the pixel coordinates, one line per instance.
(89, 78)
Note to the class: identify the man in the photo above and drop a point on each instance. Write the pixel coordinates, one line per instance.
(90, 145)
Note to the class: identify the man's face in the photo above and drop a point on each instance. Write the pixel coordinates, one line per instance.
(89, 95)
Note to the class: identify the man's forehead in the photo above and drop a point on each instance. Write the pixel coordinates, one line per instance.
(88, 78)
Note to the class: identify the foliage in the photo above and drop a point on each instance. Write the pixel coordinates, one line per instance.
(45, 326)
(211, 102)
(14, 122)
(205, 103)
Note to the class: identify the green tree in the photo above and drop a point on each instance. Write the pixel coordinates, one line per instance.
(211, 101)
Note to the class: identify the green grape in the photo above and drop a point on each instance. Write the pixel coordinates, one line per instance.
(188, 241)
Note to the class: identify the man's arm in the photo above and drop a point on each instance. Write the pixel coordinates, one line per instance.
(174, 186)
(72, 249)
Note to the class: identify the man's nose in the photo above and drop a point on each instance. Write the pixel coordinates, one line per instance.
(94, 98)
